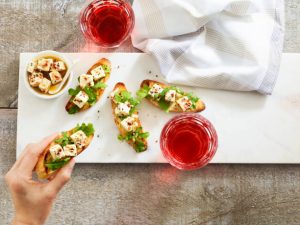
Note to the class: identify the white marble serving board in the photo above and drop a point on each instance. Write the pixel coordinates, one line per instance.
(252, 128)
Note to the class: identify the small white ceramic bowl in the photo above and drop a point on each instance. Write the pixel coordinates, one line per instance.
(69, 64)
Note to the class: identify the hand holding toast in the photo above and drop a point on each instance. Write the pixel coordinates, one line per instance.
(32, 199)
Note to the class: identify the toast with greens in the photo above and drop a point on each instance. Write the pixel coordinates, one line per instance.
(127, 119)
(91, 87)
(66, 146)
(169, 98)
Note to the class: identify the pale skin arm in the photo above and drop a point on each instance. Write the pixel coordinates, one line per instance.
(32, 199)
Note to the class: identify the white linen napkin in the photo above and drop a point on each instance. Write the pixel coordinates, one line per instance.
(221, 44)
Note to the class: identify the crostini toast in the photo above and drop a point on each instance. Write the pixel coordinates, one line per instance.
(91, 87)
(126, 118)
(66, 146)
(169, 98)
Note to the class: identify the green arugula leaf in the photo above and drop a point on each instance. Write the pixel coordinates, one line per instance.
(133, 102)
(57, 163)
(120, 137)
(137, 137)
(165, 90)
(88, 129)
(163, 104)
(144, 135)
(74, 92)
(64, 140)
(99, 85)
(163, 93)
(74, 109)
(156, 97)
(132, 110)
(125, 96)
(92, 95)
(143, 92)
(118, 98)
(122, 117)
(193, 99)
(139, 146)
(106, 68)
(178, 90)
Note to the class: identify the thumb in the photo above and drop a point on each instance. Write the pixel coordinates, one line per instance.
(61, 177)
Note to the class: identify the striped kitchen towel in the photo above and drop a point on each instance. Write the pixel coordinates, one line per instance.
(221, 44)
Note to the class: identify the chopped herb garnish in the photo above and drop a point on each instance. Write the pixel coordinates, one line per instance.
(99, 85)
(74, 109)
(57, 163)
(64, 140)
(88, 129)
(74, 92)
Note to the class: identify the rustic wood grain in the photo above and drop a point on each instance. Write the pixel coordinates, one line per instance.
(137, 194)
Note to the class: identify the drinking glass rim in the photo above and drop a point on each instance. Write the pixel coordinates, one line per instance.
(206, 158)
(86, 33)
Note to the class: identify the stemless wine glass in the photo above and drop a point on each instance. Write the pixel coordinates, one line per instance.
(108, 23)
(188, 141)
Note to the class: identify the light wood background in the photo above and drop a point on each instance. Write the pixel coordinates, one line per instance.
(129, 193)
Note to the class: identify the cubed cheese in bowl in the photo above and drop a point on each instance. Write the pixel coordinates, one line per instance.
(45, 71)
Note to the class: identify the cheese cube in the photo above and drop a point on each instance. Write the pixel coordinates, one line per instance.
(79, 138)
(45, 85)
(129, 124)
(55, 77)
(170, 96)
(135, 115)
(70, 150)
(35, 79)
(44, 64)
(31, 66)
(184, 103)
(59, 66)
(80, 99)
(155, 89)
(56, 151)
(98, 73)
(86, 80)
(123, 109)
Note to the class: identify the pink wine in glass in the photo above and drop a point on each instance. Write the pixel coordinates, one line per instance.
(107, 22)
(188, 141)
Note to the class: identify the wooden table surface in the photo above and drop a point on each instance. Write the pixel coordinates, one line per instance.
(137, 193)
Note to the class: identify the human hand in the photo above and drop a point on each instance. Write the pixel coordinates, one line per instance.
(32, 199)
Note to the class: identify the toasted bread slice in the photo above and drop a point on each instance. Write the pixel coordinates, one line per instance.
(40, 168)
(199, 105)
(118, 88)
(99, 92)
